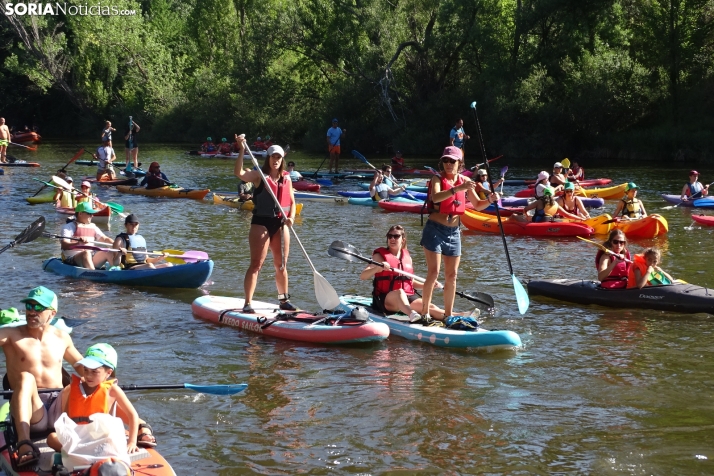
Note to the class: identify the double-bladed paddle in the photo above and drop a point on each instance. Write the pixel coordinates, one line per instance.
(75, 157)
(362, 158)
(521, 294)
(31, 233)
(26, 147)
(231, 389)
(62, 185)
(602, 248)
(188, 256)
(338, 249)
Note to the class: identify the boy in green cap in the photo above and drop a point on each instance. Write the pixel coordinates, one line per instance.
(630, 206)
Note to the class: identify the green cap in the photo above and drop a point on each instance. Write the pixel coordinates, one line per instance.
(630, 186)
(569, 186)
(84, 207)
(223, 139)
(42, 296)
(98, 355)
(208, 139)
(548, 191)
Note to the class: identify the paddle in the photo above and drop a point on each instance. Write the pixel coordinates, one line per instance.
(521, 295)
(488, 161)
(693, 197)
(76, 156)
(31, 233)
(602, 248)
(26, 147)
(504, 170)
(363, 159)
(179, 256)
(338, 249)
(188, 256)
(618, 219)
(325, 294)
(231, 389)
(329, 152)
(115, 207)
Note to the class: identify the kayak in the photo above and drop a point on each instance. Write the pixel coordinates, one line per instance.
(118, 181)
(21, 163)
(233, 202)
(306, 186)
(704, 203)
(522, 202)
(300, 326)
(44, 197)
(675, 297)
(368, 202)
(146, 462)
(94, 163)
(647, 227)
(477, 221)
(102, 215)
(365, 194)
(26, 138)
(418, 207)
(583, 183)
(189, 275)
(232, 155)
(168, 192)
(399, 325)
(704, 219)
(596, 223)
(677, 200)
(411, 187)
(609, 193)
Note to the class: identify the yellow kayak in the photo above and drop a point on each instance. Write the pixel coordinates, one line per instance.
(597, 223)
(607, 193)
(167, 192)
(233, 202)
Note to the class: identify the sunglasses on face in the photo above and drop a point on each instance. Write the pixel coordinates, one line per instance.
(447, 160)
(618, 242)
(36, 307)
(393, 237)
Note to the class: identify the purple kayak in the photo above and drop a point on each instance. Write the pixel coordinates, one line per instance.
(675, 199)
(522, 202)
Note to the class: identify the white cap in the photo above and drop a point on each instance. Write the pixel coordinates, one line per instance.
(543, 175)
(276, 149)
(481, 172)
(558, 165)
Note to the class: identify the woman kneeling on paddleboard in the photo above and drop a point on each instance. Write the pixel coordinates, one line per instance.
(266, 227)
(394, 292)
(445, 202)
(612, 269)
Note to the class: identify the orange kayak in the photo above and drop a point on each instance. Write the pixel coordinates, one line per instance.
(647, 227)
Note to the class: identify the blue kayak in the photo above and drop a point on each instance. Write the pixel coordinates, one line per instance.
(365, 194)
(522, 202)
(704, 203)
(189, 275)
(368, 202)
(481, 339)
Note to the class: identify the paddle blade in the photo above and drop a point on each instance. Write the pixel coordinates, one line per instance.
(115, 207)
(217, 389)
(338, 248)
(359, 156)
(479, 298)
(32, 232)
(566, 163)
(504, 170)
(521, 295)
(325, 294)
(61, 182)
(191, 256)
(473, 105)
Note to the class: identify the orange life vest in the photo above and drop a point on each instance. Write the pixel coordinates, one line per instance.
(81, 406)
(387, 281)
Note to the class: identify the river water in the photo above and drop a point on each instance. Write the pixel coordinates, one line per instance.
(592, 391)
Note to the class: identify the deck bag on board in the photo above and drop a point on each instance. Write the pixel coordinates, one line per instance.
(83, 445)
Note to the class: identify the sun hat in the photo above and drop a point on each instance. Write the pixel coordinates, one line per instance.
(452, 153)
(543, 175)
(43, 296)
(99, 355)
(557, 165)
(84, 207)
(86, 184)
(276, 149)
(569, 186)
(630, 186)
(131, 218)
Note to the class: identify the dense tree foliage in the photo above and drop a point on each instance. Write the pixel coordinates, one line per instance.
(600, 78)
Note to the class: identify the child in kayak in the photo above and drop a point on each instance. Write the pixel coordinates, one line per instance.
(630, 206)
(613, 268)
(96, 393)
(645, 270)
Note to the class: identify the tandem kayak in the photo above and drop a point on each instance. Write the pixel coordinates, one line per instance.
(674, 297)
(609, 193)
(168, 192)
(115, 182)
(102, 216)
(522, 202)
(365, 194)
(233, 202)
(146, 462)
(368, 202)
(189, 275)
(477, 221)
(301, 326)
(704, 219)
(399, 325)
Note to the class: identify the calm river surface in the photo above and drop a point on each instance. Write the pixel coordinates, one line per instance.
(592, 391)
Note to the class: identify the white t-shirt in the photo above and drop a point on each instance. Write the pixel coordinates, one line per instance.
(89, 230)
(104, 153)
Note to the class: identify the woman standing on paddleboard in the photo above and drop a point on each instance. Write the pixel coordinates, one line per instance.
(446, 201)
(266, 227)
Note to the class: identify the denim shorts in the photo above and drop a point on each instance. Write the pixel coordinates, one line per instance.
(445, 240)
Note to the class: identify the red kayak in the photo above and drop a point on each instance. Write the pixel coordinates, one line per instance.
(417, 207)
(306, 186)
(122, 181)
(26, 138)
(102, 215)
(704, 219)
(585, 183)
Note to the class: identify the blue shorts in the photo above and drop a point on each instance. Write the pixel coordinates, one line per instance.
(444, 240)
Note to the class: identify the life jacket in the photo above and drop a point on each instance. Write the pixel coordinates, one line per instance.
(155, 181)
(264, 203)
(386, 281)
(619, 274)
(481, 193)
(133, 243)
(208, 146)
(68, 200)
(454, 205)
(632, 208)
(381, 192)
(80, 406)
(110, 466)
(224, 148)
(79, 232)
(655, 278)
(397, 162)
(579, 173)
(259, 145)
(694, 189)
(546, 213)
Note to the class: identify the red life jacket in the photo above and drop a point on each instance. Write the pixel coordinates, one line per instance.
(224, 148)
(454, 205)
(264, 204)
(387, 281)
(618, 277)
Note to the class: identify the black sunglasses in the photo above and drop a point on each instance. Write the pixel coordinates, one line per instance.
(393, 236)
(447, 160)
(618, 242)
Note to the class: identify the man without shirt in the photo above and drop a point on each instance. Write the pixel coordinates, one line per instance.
(4, 140)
